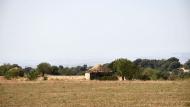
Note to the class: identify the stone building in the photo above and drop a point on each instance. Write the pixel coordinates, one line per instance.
(97, 72)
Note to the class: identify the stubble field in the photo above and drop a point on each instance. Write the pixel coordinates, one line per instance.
(94, 93)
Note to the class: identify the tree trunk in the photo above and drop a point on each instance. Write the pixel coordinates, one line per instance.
(122, 77)
(43, 74)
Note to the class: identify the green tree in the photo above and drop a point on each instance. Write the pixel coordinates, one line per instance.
(4, 68)
(44, 68)
(149, 63)
(124, 68)
(55, 70)
(174, 65)
(27, 69)
(149, 74)
(84, 67)
(170, 64)
(187, 64)
(163, 75)
(173, 59)
(32, 74)
(13, 72)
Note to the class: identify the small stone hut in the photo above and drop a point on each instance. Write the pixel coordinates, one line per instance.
(97, 72)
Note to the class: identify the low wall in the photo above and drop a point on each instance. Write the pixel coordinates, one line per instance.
(66, 77)
(87, 76)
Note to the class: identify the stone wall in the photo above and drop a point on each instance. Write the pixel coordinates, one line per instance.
(66, 77)
(87, 76)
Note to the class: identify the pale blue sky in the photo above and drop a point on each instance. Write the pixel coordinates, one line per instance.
(92, 31)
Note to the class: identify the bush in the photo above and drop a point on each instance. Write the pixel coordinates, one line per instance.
(12, 73)
(2, 73)
(21, 73)
(55, 70)
(163, 75)
(32, 75)
(149, 74)
(4, 68)
(26, 70)
(113, 77)
(172, 76)
(184, 75)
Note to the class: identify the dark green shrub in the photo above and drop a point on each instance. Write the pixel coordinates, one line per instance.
(12, 73)
(4, 68)
(55, 70)
(149, 74)
(163, 75)
(21, 73)
(2, 73)
(187, 64)
(172, 76)
(32, 75)
(184, 75)
(113, 77)
(26, 70)
(81, 73)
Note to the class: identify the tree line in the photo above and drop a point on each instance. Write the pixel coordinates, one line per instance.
(150, 69)
(14, 70)
(143, 69)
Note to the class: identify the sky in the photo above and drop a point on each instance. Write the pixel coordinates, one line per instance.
(72, 32)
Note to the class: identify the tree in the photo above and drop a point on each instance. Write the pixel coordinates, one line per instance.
(55, 70)
(15, 65)
(61, 67)
(44, 68)
(84, 67)
(187, 64)
(138, 62)
(163, 75)
(4, 68)
(32, 74)
(13, 72)
(149, 74)
(27, 69)
(174, 65)
(173, 59)
(124, 68)
(170, 64)
(147, 63)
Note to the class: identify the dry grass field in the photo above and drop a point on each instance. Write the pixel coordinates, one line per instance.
(94, 93)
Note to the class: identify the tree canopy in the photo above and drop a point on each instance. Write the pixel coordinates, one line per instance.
(163, 65)
(124, 68)
(44, 68)
(187, 64)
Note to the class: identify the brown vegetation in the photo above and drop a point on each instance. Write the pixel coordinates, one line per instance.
(94, 93)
